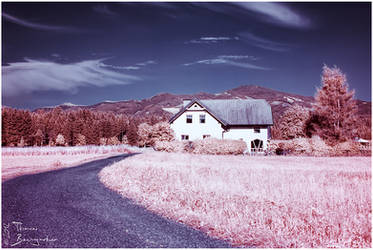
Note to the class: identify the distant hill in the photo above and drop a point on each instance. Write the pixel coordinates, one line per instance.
(167, 104)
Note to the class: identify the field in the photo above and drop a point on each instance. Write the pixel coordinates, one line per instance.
(20, 161)
(264, 202)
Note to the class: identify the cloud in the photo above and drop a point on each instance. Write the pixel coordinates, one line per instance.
(35, 75)
(230, 60)
(138, 65)
(211, 39)
(238, 57)
(104, 9)
(37, 26)
(276, 13)
(119, 67)
(264, 43)
(146, 63)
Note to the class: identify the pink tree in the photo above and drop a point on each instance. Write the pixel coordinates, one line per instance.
(335, 107)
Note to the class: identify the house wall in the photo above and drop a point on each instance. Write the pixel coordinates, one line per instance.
(212, 127)
(196, 130)
(247, 134)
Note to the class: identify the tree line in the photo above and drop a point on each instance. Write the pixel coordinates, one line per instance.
(70, 128)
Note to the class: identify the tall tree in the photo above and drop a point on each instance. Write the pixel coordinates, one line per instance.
(335, 106)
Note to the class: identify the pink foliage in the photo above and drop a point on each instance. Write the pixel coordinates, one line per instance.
(219, 147)
(170, 146)
(264, 202)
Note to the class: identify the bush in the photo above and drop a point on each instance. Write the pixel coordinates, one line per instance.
(314, 146)
(319, 147)
(60, 140)
(81, 141)
(113, 141)
(170, 146)
(148, 134)
(347, 148)
(218, 147)
(103, 141)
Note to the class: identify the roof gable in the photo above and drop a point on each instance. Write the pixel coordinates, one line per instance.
(191, 103)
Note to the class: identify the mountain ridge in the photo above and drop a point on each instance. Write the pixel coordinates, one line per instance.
(167, 103)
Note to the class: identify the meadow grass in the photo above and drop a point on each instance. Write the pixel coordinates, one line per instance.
(262, 202)
(31, 160)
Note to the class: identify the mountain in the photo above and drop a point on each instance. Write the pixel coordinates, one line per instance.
(167, 104)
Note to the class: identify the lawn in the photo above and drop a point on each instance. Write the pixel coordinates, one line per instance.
(261, 202)
(21, 161)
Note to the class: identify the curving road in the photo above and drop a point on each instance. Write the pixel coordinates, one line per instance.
(71, 208)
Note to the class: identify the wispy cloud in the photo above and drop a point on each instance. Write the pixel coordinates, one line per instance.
(238, 57)
(38, 26)
(104, 9)
(232, 60)
(212, 39)
(264, 43)
(146, 63)
(131, 67)
(35, 75)
(276, 13)
(119, 67)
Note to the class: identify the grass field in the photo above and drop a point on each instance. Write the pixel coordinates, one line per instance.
(262, 202)
(20, 161)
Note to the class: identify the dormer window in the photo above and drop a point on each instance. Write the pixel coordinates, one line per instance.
(202, 118)
(189, 119)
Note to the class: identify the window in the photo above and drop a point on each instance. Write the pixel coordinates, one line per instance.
(256, 129)
(202, 118)
(189, 119)
(206, 136)
(184, 137)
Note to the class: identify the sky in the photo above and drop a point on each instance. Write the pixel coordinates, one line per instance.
(85, 53)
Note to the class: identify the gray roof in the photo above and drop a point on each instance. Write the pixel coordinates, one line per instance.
(235, 111)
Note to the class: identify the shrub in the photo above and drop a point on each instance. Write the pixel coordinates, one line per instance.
(319, 147)
(300, 146)
(218, 147)
(21, 142)
(170, 146)
(148, 134)
(60, 140)
(81, 141)
(314, 146)
(113, 141)
(103, 141)
(347, 148)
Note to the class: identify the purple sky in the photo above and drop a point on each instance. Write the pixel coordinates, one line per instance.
(85, 53)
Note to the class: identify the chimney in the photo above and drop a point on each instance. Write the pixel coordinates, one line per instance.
(186, 101)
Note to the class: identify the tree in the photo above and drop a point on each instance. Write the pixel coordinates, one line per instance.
(335, 107)
(145, 135)
(132, 135)
(293, 122)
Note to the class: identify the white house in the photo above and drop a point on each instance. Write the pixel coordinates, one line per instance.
(247, 120)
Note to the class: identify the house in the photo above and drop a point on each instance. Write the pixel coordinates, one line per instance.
(248, 120)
